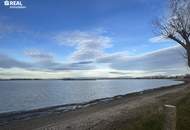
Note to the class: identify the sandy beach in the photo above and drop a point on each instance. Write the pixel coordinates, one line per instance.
(108, 114)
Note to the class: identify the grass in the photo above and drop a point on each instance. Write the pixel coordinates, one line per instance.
(147, 121)
(151, 122)
(183, 114)
(154, 120)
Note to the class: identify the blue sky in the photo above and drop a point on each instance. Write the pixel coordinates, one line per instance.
(84, 38)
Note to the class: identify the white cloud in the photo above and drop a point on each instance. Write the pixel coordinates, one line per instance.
(47, 61)
(117, 56)
(158, 39)
(8, 62)
(44, 62)
(24, 73)
(161, 62)
(168, 60)
(87, 65)
(88, 45)
(39, 56)
(90, 59)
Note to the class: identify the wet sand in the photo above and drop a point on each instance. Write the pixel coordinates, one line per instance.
(105, 114)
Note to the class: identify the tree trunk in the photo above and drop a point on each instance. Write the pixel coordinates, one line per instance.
(188, 57)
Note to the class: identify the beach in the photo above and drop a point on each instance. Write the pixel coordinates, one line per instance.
(104, 114)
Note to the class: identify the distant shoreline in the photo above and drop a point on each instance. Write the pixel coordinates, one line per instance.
(155, 77)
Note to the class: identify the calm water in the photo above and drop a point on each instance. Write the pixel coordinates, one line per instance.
(31, 94)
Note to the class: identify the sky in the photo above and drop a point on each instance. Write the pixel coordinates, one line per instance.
(86, 38)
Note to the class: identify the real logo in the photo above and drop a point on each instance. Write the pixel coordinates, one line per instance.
(6, 2)
(14, 4)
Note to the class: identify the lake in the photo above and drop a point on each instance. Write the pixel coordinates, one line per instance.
(18, 95)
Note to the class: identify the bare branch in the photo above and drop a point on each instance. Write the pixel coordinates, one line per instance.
(176, 26)
(177, 40)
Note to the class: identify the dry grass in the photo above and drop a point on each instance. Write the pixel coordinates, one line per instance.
(153, 120)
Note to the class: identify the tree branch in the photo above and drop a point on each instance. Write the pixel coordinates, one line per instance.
(178, 41)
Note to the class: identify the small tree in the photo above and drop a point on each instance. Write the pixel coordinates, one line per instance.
(176, 26)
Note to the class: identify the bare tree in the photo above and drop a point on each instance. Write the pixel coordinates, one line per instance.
(176, 26)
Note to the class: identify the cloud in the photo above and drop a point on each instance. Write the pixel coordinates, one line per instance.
(43, 62)
(83, 62)
(161, 62)
(118, 73)
(6, 28)
(88, 45)
(168, 60)
(90, 55)
(8, 62)
(47, 61)
(158, 39)
(39, 56)
(72, 66)
(24, 73)
(116, 57)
